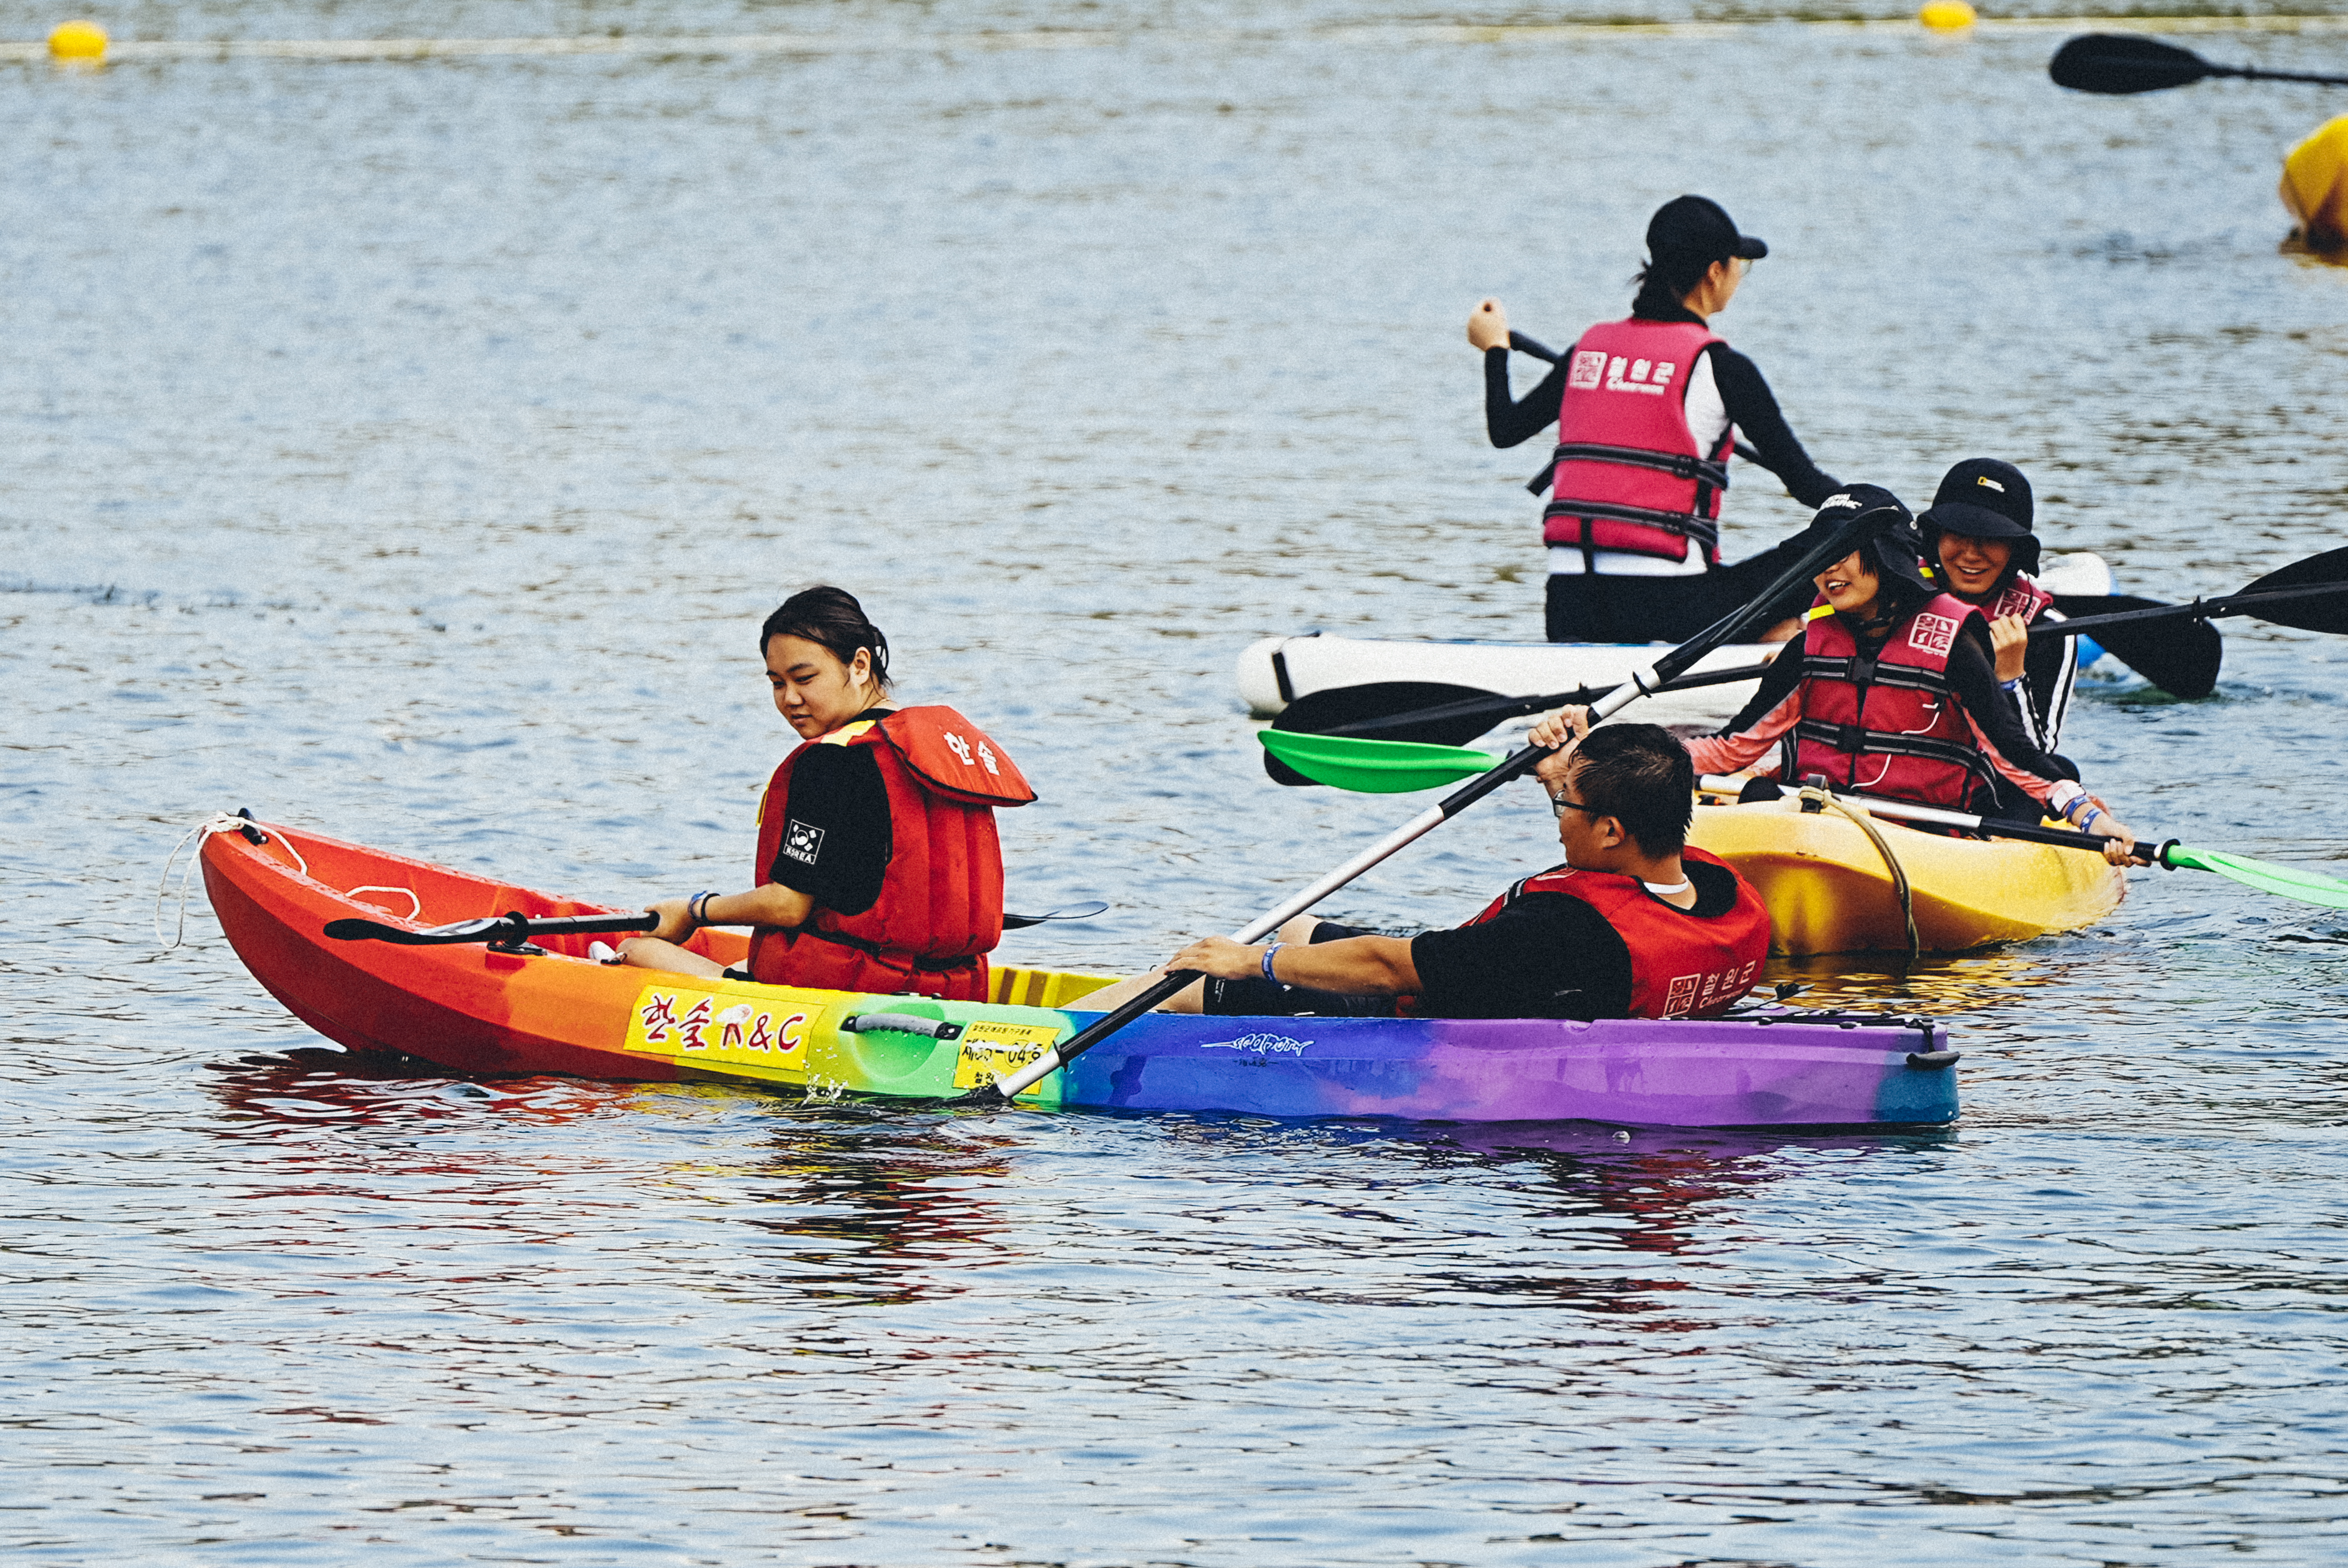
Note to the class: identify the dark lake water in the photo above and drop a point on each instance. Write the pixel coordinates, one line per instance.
(408, 450)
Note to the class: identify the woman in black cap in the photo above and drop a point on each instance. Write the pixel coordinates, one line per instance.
(1893, 692)
(1647, 411)
(1978, 531)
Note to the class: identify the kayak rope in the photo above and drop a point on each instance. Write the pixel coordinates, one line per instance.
(1859, 815)
(219, 821)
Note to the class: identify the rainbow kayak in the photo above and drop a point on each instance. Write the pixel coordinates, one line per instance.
(1830, 890)
(476, 1009)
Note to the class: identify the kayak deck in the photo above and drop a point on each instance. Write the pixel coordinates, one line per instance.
(472, 1009)
(1829, 891)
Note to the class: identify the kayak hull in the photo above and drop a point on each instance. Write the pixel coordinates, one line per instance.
(473, 1010)
(1273, 671)
(1829, 891)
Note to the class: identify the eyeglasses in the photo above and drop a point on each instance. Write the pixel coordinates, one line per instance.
(1559, 805)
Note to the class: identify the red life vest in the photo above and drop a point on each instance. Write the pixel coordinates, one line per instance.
(1887, 724)
(1682, 965)
(1627, 474)
(940, 910)
(2021, 596)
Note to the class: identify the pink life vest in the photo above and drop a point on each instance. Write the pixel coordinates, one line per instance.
(1887, 724)
(1627, 474)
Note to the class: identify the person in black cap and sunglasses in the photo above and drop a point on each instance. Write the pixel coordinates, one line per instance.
(1648, 411)
(1977, 532)
(1893, 692)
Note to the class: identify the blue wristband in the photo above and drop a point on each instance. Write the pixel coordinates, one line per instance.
(696, 908)
(1269, 950)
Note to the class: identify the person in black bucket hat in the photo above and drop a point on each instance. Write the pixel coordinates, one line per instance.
(1978, 534)
(1892, 691)
(1648, 411)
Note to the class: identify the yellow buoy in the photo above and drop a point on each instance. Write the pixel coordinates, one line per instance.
(2315, 186)
(1946, 15)
(78, 41)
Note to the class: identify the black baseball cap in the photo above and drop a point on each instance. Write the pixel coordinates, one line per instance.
(1700, 230)
(1983, 499)
(1892, 544)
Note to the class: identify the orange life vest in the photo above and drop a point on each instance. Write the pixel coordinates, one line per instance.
(1886, 722)
(939, 911)
(1682, 965)
(1627, 474)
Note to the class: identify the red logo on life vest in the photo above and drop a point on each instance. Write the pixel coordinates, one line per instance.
(1932, 633)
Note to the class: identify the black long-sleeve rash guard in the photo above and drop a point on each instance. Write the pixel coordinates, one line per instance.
(1752, 410)
(1972, 676)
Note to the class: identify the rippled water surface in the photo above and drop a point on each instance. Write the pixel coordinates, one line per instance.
(408, 449)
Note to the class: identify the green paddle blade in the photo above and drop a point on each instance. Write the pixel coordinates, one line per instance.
(1375, 767)
(2307, 887)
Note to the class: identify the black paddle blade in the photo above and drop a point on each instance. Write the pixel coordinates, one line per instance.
(2123, 63)
(2180, 656)
(2316, 612)
(356, 930)
(1085, 911)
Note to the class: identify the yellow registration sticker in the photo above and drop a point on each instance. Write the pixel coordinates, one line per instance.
(716, 1025)
(991, 1049)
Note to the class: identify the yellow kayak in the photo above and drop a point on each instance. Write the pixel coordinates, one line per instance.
(1829, 891)
(2315, 186)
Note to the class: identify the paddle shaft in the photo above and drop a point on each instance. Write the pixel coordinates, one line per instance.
(1996, 827)
(1536, 349)
(1641, 683)
(2200, 609)
(1518, 707)
(1271, 920)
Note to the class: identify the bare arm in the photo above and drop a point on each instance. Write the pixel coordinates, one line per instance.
(769, 904)
(1352, 966)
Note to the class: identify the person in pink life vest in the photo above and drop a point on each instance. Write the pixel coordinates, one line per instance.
(1977, 531)
(1891, 691)
(1648, 411)
(1635, 924)
(878, 865)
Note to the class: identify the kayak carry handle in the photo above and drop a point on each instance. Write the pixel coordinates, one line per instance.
(899, 1023)
(1933, 1060)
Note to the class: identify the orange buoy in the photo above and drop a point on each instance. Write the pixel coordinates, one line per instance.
(2315, 186)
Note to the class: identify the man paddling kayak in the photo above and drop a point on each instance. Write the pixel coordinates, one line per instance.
(1647, 411)
(1977, 532)
(879, 869)
(1635, 924)
(1893, 692)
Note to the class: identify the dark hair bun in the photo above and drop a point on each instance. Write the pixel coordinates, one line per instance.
(831, 619)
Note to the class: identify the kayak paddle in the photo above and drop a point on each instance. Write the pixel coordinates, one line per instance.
(518, 928)
(513, 927)
(1451, 722)
(2311, 594)
(1673, 664)
(2307, 887)
(2124, 63)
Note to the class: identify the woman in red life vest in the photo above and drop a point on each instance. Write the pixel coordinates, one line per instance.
(877, 867)
(1978, 532)
(1647, 413)
(1635, 924)
(1890, 692)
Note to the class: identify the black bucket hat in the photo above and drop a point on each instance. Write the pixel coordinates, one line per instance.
(1893, 545)
(1982, 499)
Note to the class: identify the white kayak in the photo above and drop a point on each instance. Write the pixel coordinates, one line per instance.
(1273, 671)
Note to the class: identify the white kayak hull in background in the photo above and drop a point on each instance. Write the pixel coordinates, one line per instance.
(1273, 671)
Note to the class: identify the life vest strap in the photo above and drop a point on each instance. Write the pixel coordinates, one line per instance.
(1855, 739)
(1816, 667)
(1678, 464)
(1704, 531)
